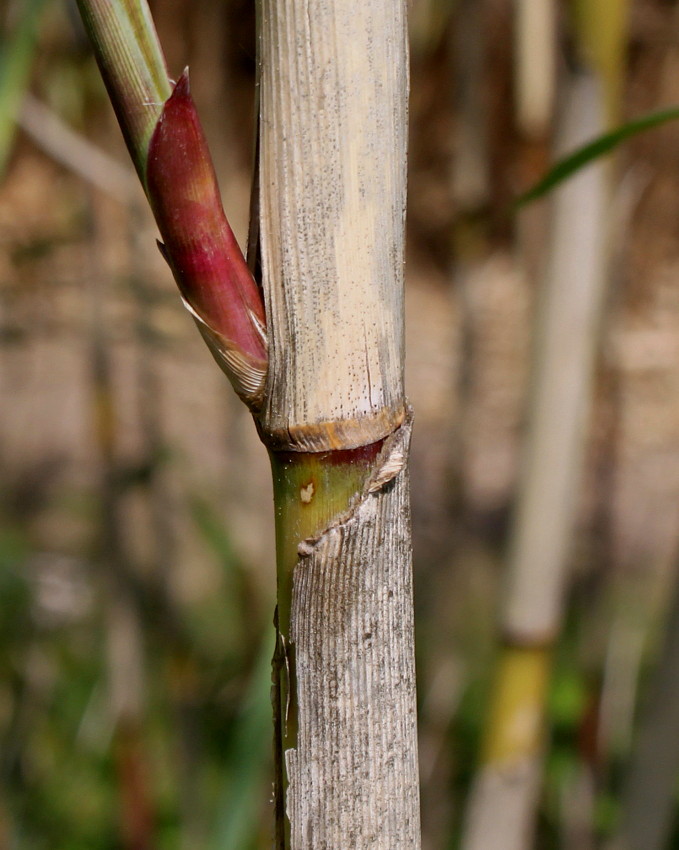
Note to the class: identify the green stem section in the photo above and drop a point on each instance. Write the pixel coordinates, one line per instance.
(602, 32)
(132, 66)
(311, 491)
(515, 727)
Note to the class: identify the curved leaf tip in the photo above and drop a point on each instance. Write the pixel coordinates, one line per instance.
(182, 88)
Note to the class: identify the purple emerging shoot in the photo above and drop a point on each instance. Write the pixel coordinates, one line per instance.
(170, 153)
(199, 245)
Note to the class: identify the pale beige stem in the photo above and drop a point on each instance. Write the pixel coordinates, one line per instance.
(535, 65)
(353, 770)
(77, 153)
(332, 199)
(567, 326)
(505, 792)
(332, 157)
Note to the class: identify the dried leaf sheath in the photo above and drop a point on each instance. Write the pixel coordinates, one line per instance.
(200, 247)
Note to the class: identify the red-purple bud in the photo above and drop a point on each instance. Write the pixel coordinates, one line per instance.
(200, 247)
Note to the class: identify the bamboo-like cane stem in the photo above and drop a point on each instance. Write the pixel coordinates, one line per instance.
(332, 175)
(505, 792)
(332, 195)
(344, 670)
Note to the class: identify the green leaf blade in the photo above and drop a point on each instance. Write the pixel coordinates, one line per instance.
(592, 151)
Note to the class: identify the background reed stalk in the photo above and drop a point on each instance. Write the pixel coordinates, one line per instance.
(505, 794)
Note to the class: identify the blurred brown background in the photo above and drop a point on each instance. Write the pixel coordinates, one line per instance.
(136, 544)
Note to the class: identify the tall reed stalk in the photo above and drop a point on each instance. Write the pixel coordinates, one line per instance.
(504, 795)
(535, 58)
(316, 352)
(602, 32)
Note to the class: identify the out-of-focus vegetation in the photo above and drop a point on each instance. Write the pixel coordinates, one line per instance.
(136, 557)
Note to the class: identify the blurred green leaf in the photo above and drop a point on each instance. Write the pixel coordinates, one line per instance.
(247, 761)
(234, 616)
(215, 534)
(600, 146)
(567, 698)
(16, 58)
(606, 813)
(14, 589)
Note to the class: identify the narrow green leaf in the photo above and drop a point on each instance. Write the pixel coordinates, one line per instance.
(583, 156)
